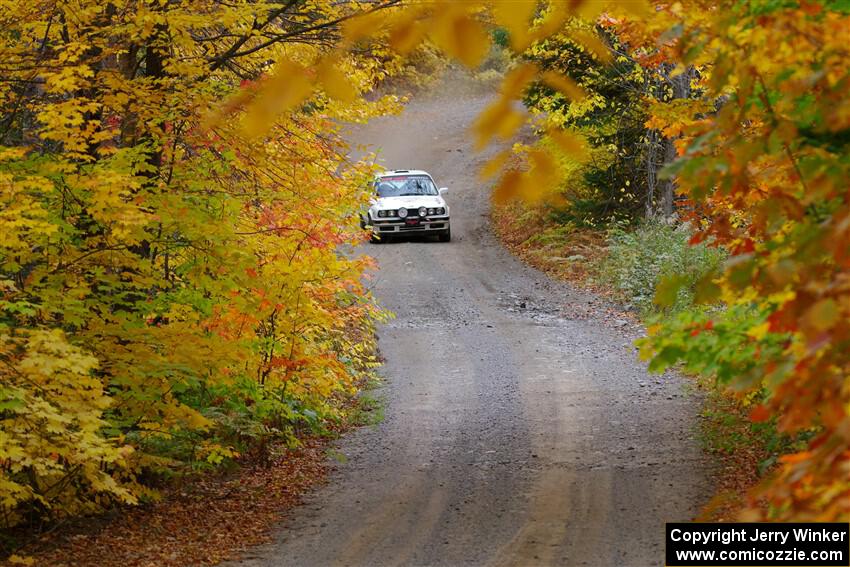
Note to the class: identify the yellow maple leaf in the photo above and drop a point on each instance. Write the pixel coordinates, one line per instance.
(459, 35)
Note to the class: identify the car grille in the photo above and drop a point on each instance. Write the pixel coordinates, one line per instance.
(398, 227)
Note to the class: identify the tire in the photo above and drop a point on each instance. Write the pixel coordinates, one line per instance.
(446, 236)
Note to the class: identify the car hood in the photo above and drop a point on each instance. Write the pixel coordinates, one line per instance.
(409, 202)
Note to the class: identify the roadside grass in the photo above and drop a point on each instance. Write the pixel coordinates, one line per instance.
(639, 258)
(625, 263)
(739, 447)
(561, 250)
(371, 403)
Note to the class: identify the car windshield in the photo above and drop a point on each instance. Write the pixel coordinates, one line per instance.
(404, 185)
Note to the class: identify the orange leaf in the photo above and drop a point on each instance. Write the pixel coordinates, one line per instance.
(759, 414)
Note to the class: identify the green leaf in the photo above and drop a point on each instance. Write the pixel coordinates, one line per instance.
(668, 290)
(706, 290)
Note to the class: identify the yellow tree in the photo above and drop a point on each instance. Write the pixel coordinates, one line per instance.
(172, 287)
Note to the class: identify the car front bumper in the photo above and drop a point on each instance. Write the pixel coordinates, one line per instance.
(406, 226)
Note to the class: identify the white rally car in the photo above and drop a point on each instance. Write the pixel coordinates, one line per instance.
(407, 201)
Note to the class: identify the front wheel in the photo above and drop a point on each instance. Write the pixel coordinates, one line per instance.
(446, 236)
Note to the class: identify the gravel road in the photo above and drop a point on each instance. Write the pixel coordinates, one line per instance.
(520, 428)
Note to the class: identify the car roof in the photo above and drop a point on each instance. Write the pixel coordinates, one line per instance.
(402, 171)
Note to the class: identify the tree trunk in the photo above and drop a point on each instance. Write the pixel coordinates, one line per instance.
(651, 172)
(668, 186)
(681, 85)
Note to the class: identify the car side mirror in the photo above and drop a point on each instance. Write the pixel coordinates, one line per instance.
(443, 190)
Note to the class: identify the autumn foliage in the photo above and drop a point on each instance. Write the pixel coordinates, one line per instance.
(769, 173)
(177, 205)
(173, 287)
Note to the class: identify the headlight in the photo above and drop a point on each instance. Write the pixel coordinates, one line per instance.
(441, 211)
(423, 211)
(382, 213)
(402, 213)
(432, 211)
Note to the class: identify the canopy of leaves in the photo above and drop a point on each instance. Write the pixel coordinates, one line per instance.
(173, 287)
(769, 172)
